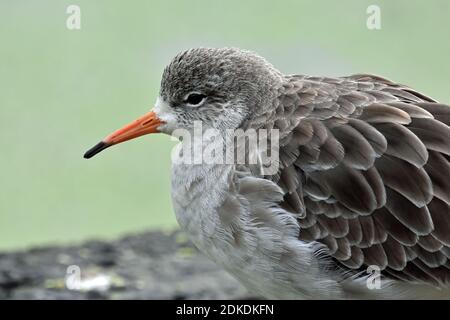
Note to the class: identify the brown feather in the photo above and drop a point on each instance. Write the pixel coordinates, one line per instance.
(408, 180)
(440, 112)
(372, 135)
(331, 243)
(344, 251)
(403, 144)
(413, 110)
(337, 227)
(434, 134)
(431, 259)
(376, 183)
(429, 243)
(395, 254)
(356, 259)
(355, 233)
(438, 169)
(359, 154)
(416, 219)
(368, 231)
(310, 234)
(440, 213)
(383, 113)
(395, 228)
(375, 255)
(349, 187)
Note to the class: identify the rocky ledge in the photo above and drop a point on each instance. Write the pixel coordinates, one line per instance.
(152, 265)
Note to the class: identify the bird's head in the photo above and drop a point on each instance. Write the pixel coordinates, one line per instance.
(221, 88)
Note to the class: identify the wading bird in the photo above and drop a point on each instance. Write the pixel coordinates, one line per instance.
(363, 179)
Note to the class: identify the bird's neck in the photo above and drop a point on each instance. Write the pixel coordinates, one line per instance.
(198, 188)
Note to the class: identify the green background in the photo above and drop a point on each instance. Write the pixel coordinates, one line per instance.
(61, 91)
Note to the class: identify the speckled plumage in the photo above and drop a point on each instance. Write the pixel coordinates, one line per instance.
(363, 179)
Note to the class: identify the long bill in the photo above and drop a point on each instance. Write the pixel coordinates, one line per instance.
(146, 124)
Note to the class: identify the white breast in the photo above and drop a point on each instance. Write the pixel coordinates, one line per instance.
(197, 192)
(240, 228)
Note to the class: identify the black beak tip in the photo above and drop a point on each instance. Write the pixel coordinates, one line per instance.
(96, 149)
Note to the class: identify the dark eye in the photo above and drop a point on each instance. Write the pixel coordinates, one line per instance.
(195, 98)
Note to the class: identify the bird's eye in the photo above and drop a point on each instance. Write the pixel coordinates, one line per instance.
(195, 98)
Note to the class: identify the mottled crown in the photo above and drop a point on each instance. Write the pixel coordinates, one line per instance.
(227, 74)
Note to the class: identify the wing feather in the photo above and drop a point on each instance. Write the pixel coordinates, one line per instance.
(396, 258)
(371, 159)
(403, 144)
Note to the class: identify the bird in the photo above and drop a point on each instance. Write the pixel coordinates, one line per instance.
(359, 204)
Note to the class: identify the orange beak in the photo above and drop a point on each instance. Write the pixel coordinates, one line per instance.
(146, 124)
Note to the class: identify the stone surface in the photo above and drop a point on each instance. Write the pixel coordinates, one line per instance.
(152, 265)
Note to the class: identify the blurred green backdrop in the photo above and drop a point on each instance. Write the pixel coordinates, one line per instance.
(63, 90)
